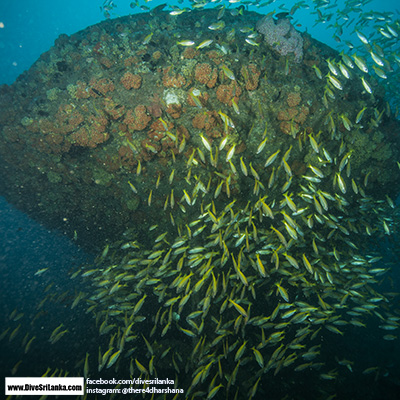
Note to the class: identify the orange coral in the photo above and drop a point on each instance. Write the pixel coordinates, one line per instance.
(126, 157)
(302, 115)
(174, 110)
(181, 132)
(156, 137)
(155, 106)
(213, 78)
(137, 120)
(131, 81)
(51, 143)
(202, 72)
(33, 127)
(158, 126)
(149, 149)
(100, 87)
(288, 114)
(208, 121)
(171, 79)
(293, 99)
(225, 93)
(298, 168)
(46, 126)
(198, 121)
(205, 74)
(215, 56)
(190, 53)
(67, 119)
(296, 115)
(241, 148)
(251, 75)
(131, 60)
(88, 138)
(287, 127)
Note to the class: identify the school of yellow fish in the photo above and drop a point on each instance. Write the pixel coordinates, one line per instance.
(251, 285)
(252, 280)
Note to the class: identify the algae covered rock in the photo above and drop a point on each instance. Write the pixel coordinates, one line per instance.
(118, 94)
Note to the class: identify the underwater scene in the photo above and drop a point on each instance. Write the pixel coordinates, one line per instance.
(201, 196)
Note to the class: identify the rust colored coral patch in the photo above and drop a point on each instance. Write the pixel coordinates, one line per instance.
(209, 121)
(174, 110)
(293, 116)
(190, 53)
(205, 74)
(251, 75)
(86, 137)
(225, 93)
(172, 79)
(131, 81)
(293, 99)
(138, 119)
(101, 87)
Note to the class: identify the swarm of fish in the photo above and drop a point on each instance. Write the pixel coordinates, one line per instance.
(251, 282)
(260, 261)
